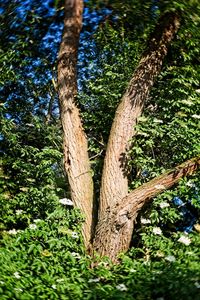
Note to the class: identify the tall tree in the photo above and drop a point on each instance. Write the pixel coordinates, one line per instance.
(118, 208)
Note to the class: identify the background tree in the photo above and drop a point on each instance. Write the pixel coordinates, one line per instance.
(30, 146)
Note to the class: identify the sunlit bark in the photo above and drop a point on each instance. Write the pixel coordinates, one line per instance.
(114, 231)
(115, 176)
(76, 160)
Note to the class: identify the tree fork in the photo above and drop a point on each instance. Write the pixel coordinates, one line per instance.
(114, 231)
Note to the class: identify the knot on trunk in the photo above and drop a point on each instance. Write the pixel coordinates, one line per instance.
(122, 220)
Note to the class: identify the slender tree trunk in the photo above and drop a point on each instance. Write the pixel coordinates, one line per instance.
(76, 160)
(114, 231)
(50, 107)
(115, 177)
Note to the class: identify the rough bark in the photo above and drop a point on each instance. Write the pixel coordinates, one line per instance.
(114, 230)
(118, 209)
(76, 160)
(115, 177)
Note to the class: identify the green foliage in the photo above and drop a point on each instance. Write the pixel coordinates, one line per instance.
(36, 261)
(30, 136)
(47, 260)
(113, 72)
(42, 255)
(168, 131)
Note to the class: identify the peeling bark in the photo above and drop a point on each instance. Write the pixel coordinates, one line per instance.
(76, 159)
(114, 230)
(115, 176)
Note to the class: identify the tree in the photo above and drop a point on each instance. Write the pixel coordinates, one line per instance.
(29, 155)
(42, 254)
(118, 208)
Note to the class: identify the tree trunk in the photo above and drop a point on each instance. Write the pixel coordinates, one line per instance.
(76, 160)
(114, 231)
(118, 209)
(115, 176)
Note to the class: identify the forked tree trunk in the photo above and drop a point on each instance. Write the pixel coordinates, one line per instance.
(76, 160)
(118, 209)
(114, 231)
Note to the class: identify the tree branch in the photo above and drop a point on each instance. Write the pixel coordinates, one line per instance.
(115, 176)
(114, 231)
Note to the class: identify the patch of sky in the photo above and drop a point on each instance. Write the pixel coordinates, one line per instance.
(22, 9)
(8, 116)
(37, 62)
(154, 8)
(48, 7)
(12, 38)
(189, 214)
(1, 10)
(87, 62)
(52, 38)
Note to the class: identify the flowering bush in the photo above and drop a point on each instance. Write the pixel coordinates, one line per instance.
(47, 259)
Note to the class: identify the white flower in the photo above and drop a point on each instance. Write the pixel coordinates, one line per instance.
(197, 285)
(66, 201)
(19, 212)
(76, 255)
(60, 280)
(157, 230)
(190, 184)
(74, 235)
(12, 231)
(30, 124)
(160, 253)
(94, 280)
(142, 133)
(121, 287)
(18, 290)
(53, 286)
(32, 226)
(164, 204)
(37, 220)
(196, 116)
(158, 272)
(145, 221)
(132, 270)
(159, 187)
(16, 274)
(184, 240)
(170, 258)
(187, 102)
(157, 121)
